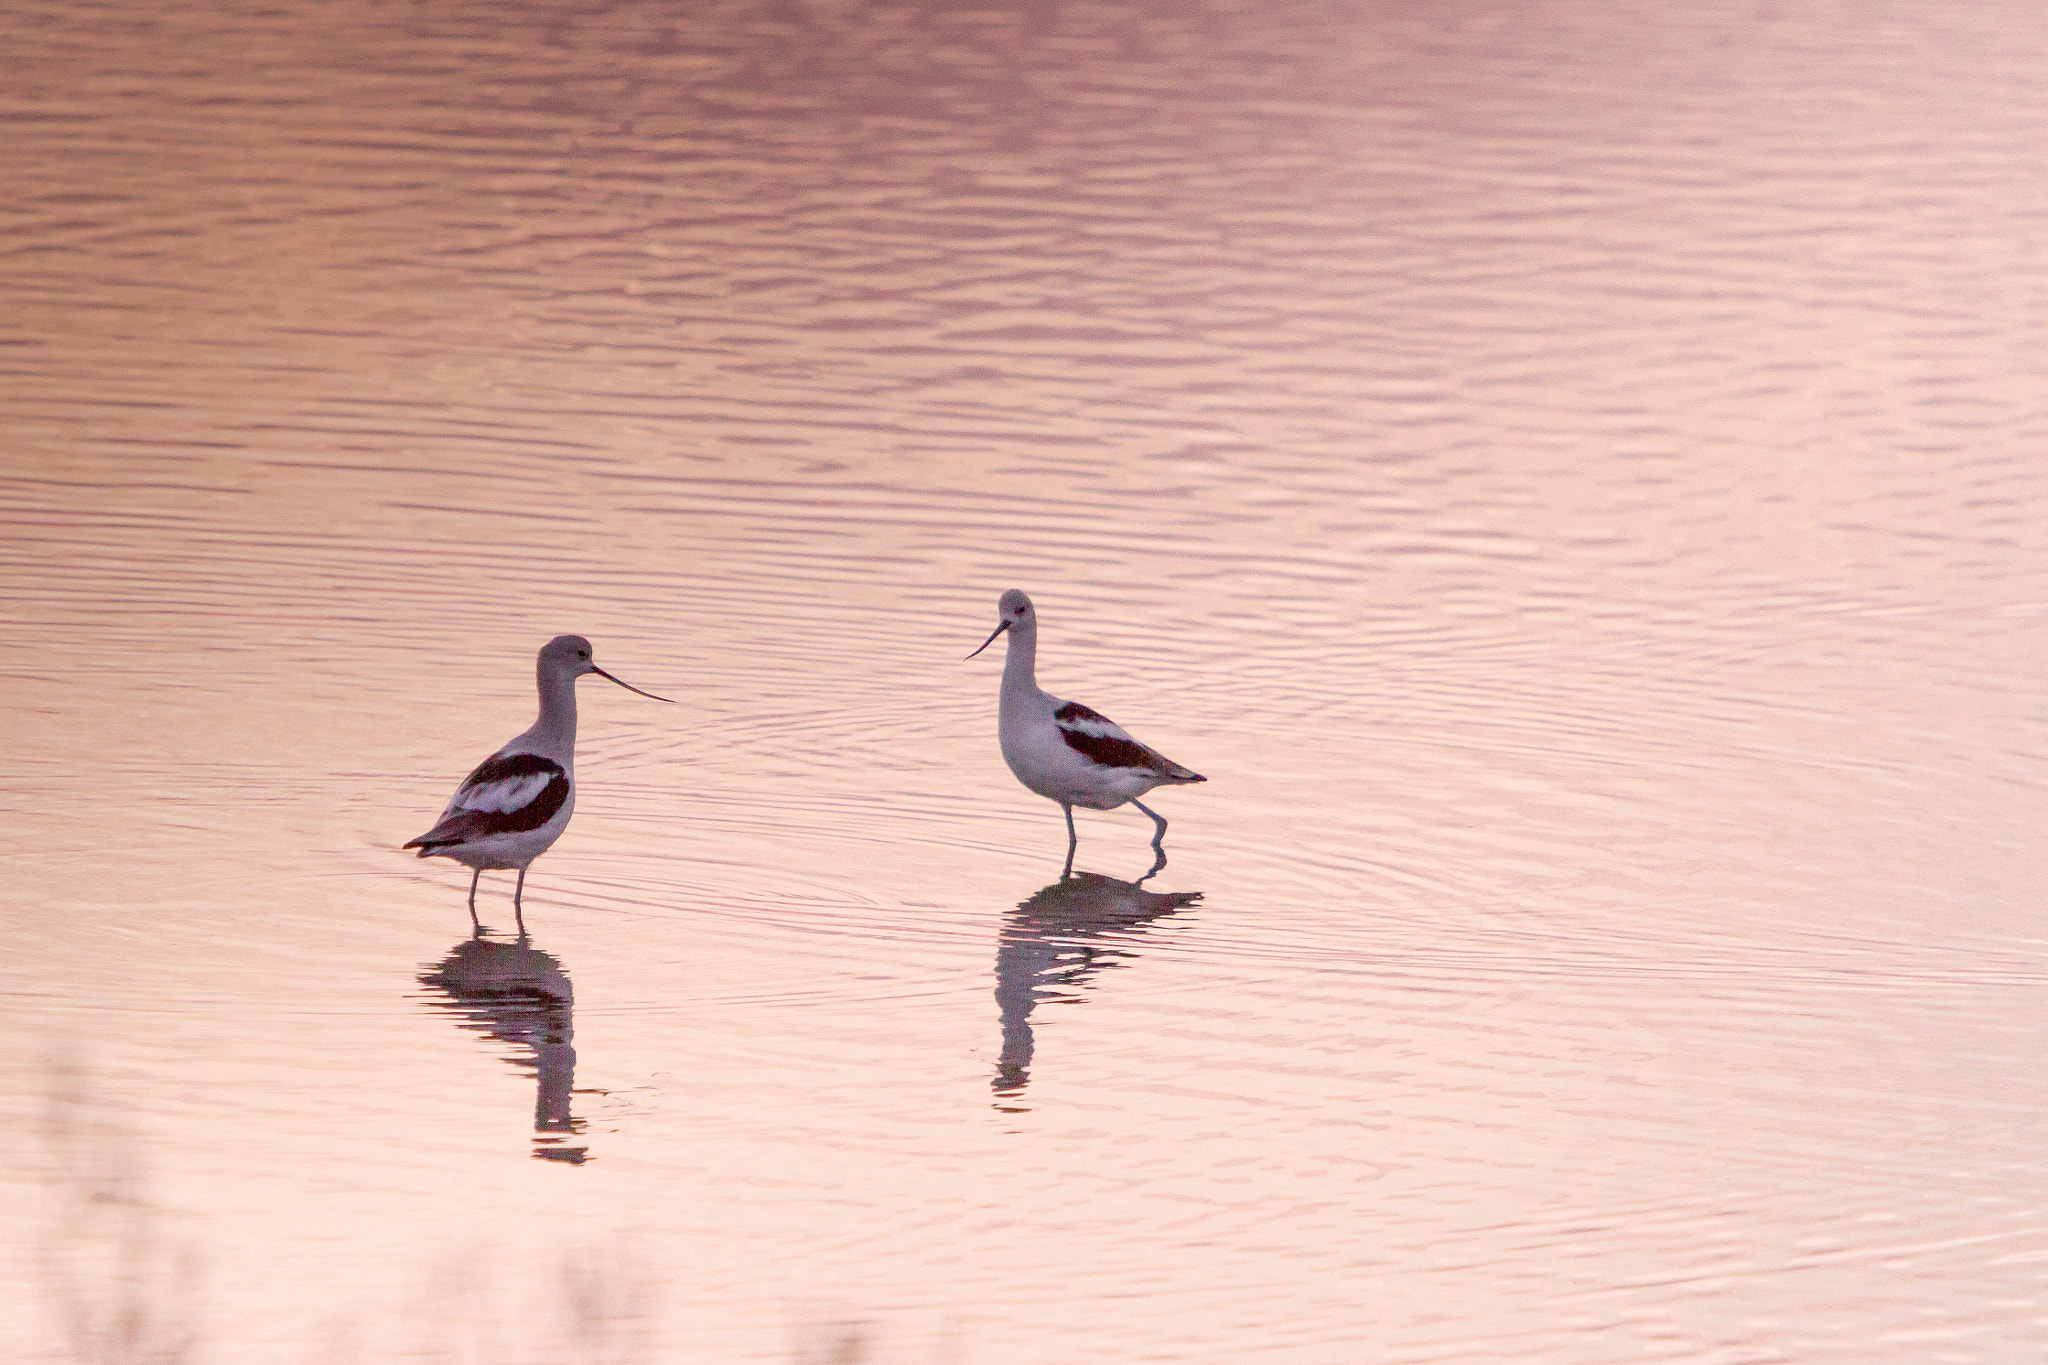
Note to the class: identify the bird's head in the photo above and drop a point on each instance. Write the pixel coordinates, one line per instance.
(569, 656)
(1013, 612)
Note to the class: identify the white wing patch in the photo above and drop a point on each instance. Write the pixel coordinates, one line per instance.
(503, 796)
(1089, 722)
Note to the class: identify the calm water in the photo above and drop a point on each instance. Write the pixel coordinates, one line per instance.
(1570, 474)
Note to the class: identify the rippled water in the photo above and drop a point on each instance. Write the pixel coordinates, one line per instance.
(1569, 474)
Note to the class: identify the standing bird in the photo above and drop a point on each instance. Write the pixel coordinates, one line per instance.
(1064, 751)
(517, 802)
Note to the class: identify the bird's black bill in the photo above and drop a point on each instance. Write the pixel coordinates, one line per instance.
(991, 639)
(628, 686)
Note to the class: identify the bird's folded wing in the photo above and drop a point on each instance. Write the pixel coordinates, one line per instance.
(507, 794)
(1096, 737)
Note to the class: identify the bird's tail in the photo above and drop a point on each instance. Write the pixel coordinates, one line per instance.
(434, 840)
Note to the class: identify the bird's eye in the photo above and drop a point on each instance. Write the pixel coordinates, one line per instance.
(582, 653)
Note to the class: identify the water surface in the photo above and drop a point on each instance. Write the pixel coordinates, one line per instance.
(1568, 474)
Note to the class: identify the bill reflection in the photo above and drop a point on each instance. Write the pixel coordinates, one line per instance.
(1054, 942)
(515, 993)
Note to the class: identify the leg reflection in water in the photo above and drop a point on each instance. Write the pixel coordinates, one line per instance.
(1054, 942)
(515, 993)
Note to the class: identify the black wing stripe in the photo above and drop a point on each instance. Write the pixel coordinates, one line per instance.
(1108, 750)
(498, 767)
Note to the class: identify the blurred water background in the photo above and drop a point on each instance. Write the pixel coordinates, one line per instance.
(1570, 474)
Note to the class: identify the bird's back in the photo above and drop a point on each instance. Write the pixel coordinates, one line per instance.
(1101, 740)
(506, 794)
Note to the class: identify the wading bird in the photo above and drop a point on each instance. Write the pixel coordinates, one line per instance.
(517, 802)
(1064, 751)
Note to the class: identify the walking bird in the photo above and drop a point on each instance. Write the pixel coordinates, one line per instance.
(1063, 750)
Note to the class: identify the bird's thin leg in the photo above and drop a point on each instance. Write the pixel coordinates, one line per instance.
(474, 876)
(1073, 840)
(1157, 819)
(518, 911)
(1158, 837)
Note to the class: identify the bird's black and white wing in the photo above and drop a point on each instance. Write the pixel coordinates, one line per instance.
(1101, 740)
(507, 794)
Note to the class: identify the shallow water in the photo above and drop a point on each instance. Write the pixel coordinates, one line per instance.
(1568, 474)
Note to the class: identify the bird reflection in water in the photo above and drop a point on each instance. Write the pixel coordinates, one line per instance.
(517, 994)
(1052, 944)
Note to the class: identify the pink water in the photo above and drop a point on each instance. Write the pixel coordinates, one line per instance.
(1570, 475)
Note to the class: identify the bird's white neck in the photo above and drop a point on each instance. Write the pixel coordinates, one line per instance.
(554, 733)
(1020, 662)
